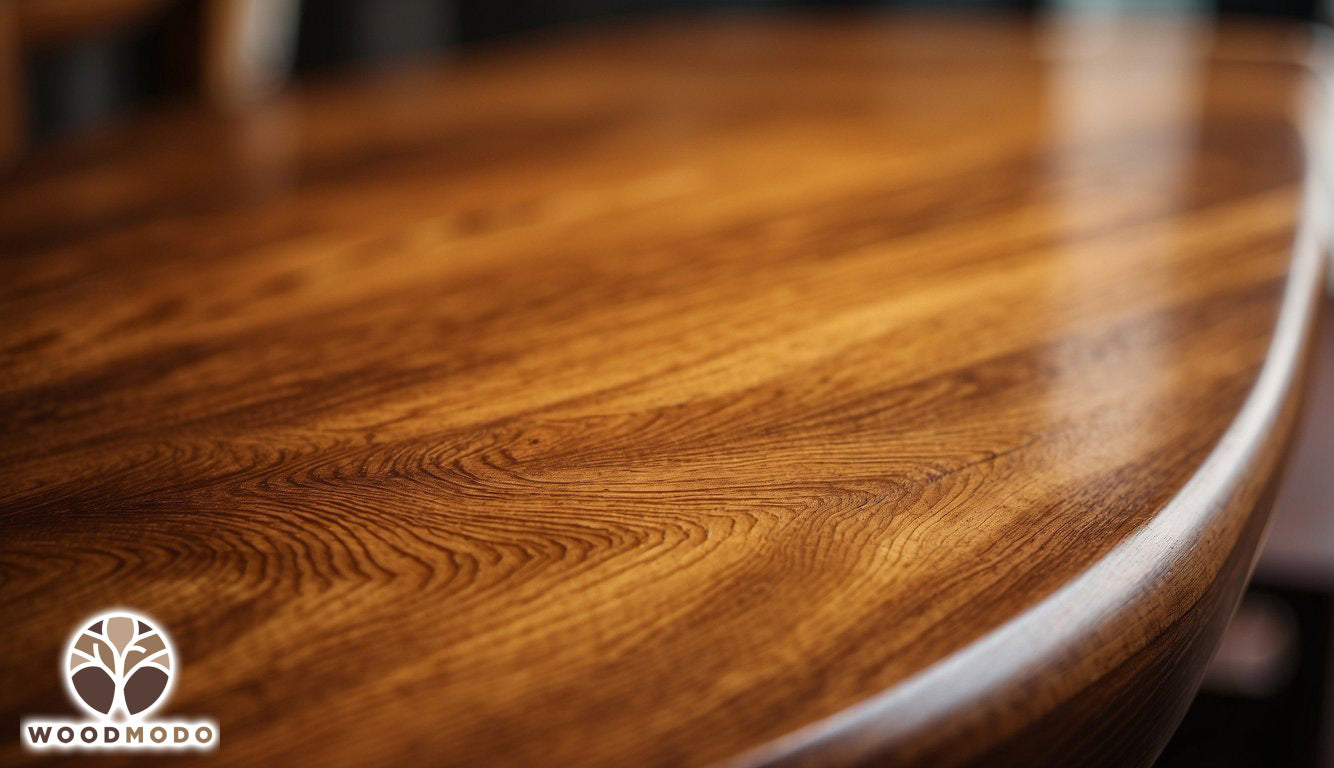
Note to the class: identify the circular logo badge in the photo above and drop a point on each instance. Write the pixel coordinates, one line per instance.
(119, 663)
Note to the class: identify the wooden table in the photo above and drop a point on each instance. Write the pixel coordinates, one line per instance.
(748, 390)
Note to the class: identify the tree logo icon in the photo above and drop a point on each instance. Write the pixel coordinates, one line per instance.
(118, 667)
(119, 664)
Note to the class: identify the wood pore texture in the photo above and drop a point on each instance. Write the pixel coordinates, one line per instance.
(745, 391)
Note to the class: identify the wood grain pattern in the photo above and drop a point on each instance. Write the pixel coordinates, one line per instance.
(801, 391)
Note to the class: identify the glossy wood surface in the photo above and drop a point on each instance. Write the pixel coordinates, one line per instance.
(789, 391)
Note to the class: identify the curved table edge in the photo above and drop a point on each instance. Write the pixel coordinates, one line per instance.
(1168, 590)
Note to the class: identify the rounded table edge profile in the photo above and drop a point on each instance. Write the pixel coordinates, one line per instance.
(1103, 669)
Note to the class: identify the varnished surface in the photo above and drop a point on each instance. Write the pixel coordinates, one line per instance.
(786, 391)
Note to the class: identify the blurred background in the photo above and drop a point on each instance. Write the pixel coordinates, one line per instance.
(68, 66)
(68, 63)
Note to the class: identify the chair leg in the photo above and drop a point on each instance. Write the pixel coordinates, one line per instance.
(248, 48)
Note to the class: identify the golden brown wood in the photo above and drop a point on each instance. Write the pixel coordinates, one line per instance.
(803, 391)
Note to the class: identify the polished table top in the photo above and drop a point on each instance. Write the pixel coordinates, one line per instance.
(746, 389)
